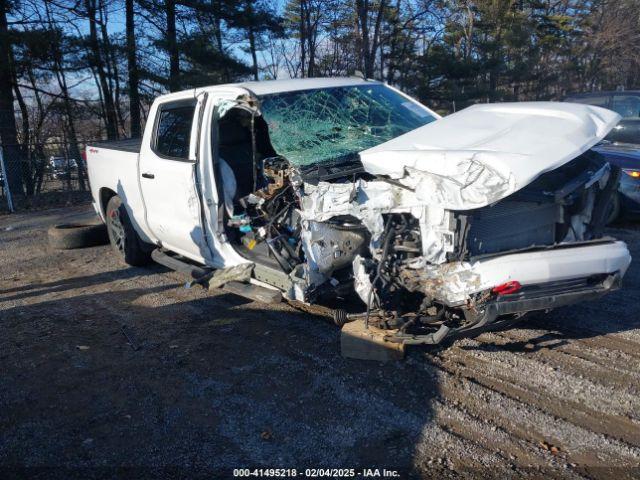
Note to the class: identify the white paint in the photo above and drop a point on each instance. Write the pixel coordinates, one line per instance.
(484, 153)
(454, 282)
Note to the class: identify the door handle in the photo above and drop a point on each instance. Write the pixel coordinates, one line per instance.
(148, 175)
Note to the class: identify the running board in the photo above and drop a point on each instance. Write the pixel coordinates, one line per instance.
(173, 263)
(247, 290)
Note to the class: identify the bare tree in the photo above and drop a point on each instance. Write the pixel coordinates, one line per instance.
(132, 66)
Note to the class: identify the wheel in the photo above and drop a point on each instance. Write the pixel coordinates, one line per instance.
(614, 209)
(75, 235)
(125, 241)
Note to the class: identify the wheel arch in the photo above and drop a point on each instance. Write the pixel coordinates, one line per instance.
(105, 195)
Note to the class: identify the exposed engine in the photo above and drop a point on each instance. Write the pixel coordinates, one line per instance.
(271, 219)
(406, 292)
(337, 228)
(333, 244)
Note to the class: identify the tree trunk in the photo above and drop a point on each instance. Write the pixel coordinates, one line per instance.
(8, 131)
(58, 67)
(172, 46)
(37, 155)
(254, 57)
(132, 65)
(112, 68)
(111, 119)
(252, 41)
(27, 164)
(369, 44)
(362, 12)
(393, 45)
(311, 33)
(303, 56)
(218, 34)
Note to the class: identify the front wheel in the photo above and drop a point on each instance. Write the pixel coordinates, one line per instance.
(124, 240)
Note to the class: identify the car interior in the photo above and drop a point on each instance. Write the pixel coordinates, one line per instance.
(259, 216)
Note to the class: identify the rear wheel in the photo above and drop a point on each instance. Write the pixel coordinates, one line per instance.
(125, 241)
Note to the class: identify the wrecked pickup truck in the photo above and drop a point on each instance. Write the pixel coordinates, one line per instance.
(324, 188)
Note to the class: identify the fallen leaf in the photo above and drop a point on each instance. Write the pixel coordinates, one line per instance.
(550, 448)
(266, 435)
(82, 347)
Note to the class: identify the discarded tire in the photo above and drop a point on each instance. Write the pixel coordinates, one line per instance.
(74, 235)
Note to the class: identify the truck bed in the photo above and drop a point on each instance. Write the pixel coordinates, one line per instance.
(131, 145)
(113, 168)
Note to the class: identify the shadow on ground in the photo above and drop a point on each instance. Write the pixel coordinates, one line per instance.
(205, 384)
(125, 367)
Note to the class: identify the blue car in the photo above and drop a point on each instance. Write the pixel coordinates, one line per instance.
(626, 103)
(622, 146)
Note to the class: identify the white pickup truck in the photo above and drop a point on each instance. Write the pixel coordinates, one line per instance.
(325, 188)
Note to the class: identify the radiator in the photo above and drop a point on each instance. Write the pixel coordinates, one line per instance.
(511, 225)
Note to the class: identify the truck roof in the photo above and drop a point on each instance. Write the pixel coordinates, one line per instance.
(267, 87)
(295, 84)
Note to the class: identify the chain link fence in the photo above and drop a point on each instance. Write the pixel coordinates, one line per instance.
(37, 176)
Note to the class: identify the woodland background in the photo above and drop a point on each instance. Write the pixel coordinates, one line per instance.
(73, 71)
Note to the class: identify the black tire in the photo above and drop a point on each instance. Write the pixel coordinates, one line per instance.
(614, 209)
(68, 236)
(124, 239)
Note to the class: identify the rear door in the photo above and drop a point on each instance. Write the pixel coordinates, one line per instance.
(167, 176)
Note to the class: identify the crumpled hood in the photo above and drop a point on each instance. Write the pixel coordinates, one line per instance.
(486, 152)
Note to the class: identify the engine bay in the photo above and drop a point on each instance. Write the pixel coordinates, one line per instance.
(340, 232)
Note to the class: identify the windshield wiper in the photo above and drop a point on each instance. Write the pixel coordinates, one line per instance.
(342, 166)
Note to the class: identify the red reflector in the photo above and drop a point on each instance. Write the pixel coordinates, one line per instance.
(507, 288)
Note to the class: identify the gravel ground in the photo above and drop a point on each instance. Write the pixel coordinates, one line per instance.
(109, 370)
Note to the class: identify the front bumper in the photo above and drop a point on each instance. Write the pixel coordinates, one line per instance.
(506, 309)
(554, 294)
(556, 264)
(454, 284)
(552, 278)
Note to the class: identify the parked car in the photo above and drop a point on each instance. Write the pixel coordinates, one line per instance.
(317, 188)
(627, 157)
(62, 166)
(625, 103)
(621, 146)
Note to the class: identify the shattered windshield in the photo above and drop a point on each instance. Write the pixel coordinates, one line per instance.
(323, 126)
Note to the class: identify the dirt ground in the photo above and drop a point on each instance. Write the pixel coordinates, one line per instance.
(108, 371)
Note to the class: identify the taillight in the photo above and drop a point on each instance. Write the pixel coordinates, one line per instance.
(507, 288)
(632, 173)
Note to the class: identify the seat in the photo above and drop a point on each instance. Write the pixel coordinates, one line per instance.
(235, 149)
(229, 186)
